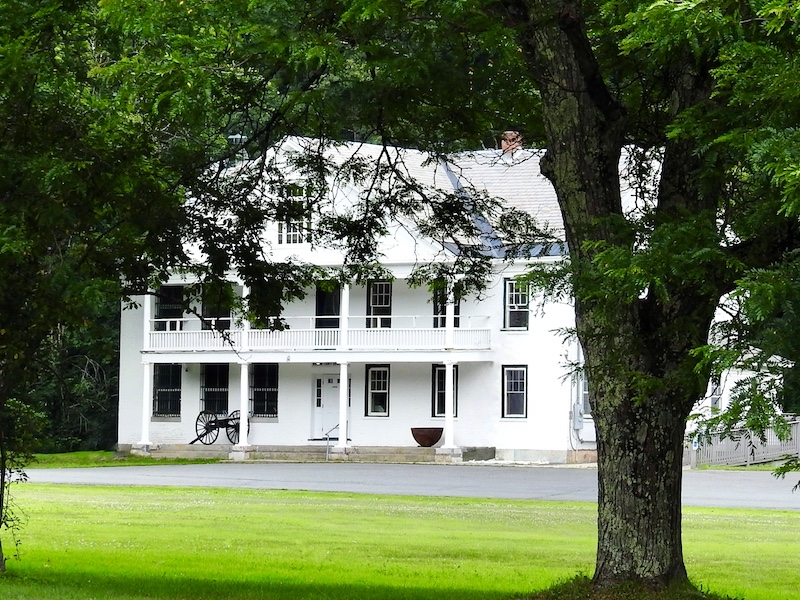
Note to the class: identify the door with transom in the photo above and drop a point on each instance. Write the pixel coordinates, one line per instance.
(326, 406)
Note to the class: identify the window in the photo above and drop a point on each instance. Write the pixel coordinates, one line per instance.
(440, 308)
(328, 305)
(214, 389)
(516, 305)
(377, 391)
(585, 399)
(294, 225)
(217, 302)
(169, 308)
(515, 391)
(264, 390)
(437, 409)
(715, 395)
(167, 390)
(295, 231)
(379, 304)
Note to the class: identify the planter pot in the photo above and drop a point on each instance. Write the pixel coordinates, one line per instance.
(427, 436)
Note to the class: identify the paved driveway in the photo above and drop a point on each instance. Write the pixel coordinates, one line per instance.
(735, 489)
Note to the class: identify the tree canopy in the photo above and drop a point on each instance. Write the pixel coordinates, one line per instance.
(116, 126)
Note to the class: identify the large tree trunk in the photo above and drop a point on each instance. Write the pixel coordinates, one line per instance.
(640, 449)
(637, 342)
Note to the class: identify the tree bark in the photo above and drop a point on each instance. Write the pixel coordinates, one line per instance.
(640, 450)
(637, 349)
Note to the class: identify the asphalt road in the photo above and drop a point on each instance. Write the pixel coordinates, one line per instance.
(730, 489)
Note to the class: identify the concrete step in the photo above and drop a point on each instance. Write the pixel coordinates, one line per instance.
(314, 453)
(191, 451)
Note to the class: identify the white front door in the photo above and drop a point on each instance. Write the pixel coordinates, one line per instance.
(326, 406)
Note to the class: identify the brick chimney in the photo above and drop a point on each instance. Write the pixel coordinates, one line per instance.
(510, 141)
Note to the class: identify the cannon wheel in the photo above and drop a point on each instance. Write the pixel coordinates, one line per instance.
(232, 428)
(206, 428)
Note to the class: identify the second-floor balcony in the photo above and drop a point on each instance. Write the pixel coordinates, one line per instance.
(308, 333)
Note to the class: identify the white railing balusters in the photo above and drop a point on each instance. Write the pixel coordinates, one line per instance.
(187, 335)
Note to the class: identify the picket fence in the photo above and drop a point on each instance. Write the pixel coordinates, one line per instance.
(744, 448)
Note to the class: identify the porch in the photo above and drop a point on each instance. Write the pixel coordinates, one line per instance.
(304, 333)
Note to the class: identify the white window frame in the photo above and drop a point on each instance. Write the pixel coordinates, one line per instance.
(379, 304)
(586, 402)
(296, 231)
(378, 384)
(515, 381)
(516, 300)
(437, 390)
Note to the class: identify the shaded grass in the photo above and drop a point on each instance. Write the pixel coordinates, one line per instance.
(100, 458)
(580, 588)
(170, 543)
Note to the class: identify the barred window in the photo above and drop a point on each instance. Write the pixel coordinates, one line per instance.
(167, 390)
(264, 390)
(214, 389)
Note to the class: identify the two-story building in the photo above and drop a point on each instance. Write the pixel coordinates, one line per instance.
(358, 366)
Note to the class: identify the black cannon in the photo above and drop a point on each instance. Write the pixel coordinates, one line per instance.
(208, 425)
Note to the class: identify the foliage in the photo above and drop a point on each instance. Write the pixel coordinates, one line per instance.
(75, 383)
(19, 431)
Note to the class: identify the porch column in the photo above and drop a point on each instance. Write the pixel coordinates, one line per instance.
(343, 397)
(244, 343)
(147, 315)
(449, 320)
(449, 417)
(147, 402)
(344, 318)
(244, 402)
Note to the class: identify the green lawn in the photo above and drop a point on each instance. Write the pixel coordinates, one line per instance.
(93, 542)
(105, 458)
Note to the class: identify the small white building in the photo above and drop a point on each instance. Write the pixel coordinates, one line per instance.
(359, 366)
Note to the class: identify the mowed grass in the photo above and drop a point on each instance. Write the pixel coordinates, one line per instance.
(106, 458)
(96, 542)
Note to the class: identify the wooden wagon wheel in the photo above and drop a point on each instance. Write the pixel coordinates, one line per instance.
(207, 428)
(232, 429)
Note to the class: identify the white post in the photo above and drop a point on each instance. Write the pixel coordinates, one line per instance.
(244, 403)
(449, 320)
(344, 318)
(147, 403)
(147, 315)
(343, 397)
(449, 416)
(244, 345)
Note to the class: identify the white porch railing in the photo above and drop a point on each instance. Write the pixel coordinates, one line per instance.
(746, 449)
(406, 333)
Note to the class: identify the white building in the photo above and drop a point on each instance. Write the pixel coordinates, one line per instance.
(359, 366)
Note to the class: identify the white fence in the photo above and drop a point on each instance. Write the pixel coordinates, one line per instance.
(746, 449)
